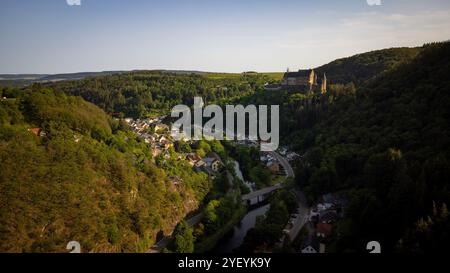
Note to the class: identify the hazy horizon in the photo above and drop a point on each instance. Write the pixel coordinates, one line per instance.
(202, 71)
(51, 37)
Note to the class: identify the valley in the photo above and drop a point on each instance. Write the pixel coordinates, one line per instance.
(363, 156)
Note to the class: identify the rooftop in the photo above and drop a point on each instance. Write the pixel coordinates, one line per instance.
(300, 73)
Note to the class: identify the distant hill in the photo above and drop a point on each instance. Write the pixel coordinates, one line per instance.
(77, 76)
(26, 79)
(17, 77)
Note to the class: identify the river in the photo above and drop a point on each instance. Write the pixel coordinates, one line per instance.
(237, 170)
(235, 237)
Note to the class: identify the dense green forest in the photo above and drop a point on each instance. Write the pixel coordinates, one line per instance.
(301, 110)
(387, 146)
(137, 94)
(380, 135)
(84, 177)
(362, 67)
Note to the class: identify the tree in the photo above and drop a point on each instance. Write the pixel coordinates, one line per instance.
(210, 217)
(218, 148)
(183, 241)
(444, 211)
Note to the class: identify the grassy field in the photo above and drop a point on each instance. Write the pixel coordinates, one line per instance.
(276, 76)
(220, 76)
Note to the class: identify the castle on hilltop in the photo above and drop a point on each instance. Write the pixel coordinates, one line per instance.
(306, 80)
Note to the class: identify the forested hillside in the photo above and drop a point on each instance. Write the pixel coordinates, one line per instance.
(139, 93)
(301, 110)
(388, 146)
(380, 136)
(136, 94)
(361, 67)
(70, 172)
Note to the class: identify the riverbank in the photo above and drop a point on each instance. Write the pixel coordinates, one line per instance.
(234, 239)
(210, 242)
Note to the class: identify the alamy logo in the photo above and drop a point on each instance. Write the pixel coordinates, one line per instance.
(374, 247)
(257, 117)
(74, 246)
(374, 2)
(73, 2)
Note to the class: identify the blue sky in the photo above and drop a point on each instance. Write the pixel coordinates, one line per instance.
(49, 36)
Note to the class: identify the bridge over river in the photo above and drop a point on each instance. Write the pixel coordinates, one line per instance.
(260, 195)
(252, 198)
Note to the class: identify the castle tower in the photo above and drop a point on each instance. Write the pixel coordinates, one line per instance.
(312, 79)
(323, 88)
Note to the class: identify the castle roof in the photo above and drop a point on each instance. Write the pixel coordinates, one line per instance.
(300, 73)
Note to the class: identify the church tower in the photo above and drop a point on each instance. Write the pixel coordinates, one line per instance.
(323, 88)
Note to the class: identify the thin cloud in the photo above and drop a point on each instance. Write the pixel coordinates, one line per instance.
(364, 32)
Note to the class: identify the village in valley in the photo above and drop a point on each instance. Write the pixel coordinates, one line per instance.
(311, 228)
(156, 134)
(313, 225)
